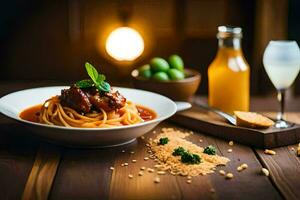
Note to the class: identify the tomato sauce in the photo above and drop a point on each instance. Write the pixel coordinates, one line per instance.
(146, 113)
(32, 113)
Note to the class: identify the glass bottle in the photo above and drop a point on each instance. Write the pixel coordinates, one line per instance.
(229, 73)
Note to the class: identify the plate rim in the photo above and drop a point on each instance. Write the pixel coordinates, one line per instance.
(159, 119)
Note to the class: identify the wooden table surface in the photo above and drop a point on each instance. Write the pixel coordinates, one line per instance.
(32, 169)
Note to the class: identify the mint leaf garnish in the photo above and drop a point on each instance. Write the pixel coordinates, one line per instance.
(97, 80)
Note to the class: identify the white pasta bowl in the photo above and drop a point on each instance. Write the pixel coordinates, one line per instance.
(13, 104)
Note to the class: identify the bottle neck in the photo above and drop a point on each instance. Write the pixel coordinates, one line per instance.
(233, 43)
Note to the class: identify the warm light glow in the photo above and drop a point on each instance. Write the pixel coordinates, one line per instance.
(124, 44)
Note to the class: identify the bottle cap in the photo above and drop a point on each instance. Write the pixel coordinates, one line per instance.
(229, 32)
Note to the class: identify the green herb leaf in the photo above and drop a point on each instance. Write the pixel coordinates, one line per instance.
(189, 158)
(210, 150)
(178, 151)
(101, 78)
(163, 141)
(85, 83)
(92, 72)
(104, 86)
(186, 156)
(98, 79)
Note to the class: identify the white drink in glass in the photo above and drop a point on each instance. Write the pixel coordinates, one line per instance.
(282, 63)
(283, 75)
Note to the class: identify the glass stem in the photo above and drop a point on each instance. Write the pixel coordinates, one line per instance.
(280, 98)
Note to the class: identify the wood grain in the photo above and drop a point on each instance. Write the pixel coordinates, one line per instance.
(84, 174)
(140, 187)
(42, 174)
(212, 124)
(248, 182)
(284, 167)
(17, 153)
(213, 186)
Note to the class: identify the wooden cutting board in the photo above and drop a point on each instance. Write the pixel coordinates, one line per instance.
(199, 120)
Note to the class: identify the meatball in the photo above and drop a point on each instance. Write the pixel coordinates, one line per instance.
(75, 98)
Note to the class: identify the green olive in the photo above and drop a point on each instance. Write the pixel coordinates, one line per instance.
(146, 74)
(161, 76)
(159, 65)
(145, 71)
(175, 74)
(176, 62)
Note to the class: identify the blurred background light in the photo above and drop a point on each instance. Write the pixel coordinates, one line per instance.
(124, 44)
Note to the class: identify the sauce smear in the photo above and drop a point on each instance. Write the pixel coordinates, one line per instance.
(146, 113)
(32, 113)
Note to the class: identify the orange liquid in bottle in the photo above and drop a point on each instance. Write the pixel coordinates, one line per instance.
(228, 81)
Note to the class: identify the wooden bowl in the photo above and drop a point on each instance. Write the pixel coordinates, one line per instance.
(181, 90)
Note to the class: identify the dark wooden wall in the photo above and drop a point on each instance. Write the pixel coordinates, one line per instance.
(52, 39)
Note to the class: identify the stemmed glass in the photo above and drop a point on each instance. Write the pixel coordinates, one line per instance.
(282, 62)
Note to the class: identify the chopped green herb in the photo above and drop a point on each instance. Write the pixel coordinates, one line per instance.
(97, 80)
(178, 151)
(190, 158)
(163, 141)
(186, 156)
(210, 150)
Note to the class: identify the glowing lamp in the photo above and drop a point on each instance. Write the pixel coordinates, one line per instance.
(124, 44)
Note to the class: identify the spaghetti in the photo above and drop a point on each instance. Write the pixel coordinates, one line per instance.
(54, 113)
(89, 103)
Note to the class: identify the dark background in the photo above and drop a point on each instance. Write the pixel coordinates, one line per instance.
(51, 40)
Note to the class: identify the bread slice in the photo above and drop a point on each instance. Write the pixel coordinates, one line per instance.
(252, 120)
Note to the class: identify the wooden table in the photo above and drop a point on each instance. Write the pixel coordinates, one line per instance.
(33, 169)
